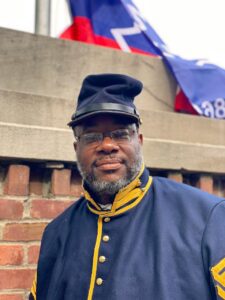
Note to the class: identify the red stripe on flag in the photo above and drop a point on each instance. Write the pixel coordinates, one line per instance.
(82, 30)
(182, 104)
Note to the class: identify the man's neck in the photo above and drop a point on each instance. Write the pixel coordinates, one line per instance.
(105, 199)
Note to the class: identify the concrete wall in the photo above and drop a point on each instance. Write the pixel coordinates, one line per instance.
(41, 77)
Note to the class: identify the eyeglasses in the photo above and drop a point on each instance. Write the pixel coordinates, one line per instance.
(119, 136)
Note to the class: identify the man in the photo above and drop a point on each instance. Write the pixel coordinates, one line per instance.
(131, 236)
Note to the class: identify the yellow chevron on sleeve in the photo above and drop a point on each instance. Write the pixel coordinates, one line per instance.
(218, 272)
(220, 292)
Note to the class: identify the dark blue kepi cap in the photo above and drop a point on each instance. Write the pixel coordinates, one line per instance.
(107, 94)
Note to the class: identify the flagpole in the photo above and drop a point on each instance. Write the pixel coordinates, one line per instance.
(43, 17)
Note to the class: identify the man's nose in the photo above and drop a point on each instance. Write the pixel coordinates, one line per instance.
(107, 145)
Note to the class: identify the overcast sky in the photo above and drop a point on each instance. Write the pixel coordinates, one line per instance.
(192, 29)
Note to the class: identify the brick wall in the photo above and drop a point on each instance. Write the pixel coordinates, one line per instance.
(30, 196)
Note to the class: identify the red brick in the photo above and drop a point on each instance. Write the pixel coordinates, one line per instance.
(36, 187)
(76, 188)
(36, 181)
(48, 208)
(23, 231)
(11, 297)
(219, 187)
(11, 209)
(11, 255)
(205, 183)
(60, 183)
(16, 279)
(176, 176)
(17, 180)
(33, 254)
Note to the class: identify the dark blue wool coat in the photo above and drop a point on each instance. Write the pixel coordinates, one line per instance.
(163, 241)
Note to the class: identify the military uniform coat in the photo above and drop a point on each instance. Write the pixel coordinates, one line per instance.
(161, 240)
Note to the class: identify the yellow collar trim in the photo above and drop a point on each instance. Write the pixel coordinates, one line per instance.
(125, 195)
(124, 209)
(88, 197)
(133, 184)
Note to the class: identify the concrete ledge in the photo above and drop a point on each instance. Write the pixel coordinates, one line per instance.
(30, 109)
(164, 154)
(36, 143)
(42, 111)
(183, 128)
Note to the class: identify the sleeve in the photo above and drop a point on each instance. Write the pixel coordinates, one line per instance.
(213, 251)
(45, 267)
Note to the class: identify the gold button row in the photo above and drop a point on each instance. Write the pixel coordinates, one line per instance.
(107, 219)
(102, 259)
(99, 281)
(105, 238)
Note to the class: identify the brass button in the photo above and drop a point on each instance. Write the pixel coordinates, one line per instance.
(107, 219)
(99, 281)
(102, 259)
(105, 238)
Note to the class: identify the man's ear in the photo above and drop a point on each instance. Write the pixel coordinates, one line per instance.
(140, 138)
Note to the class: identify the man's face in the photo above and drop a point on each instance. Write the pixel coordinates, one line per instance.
(110, 164)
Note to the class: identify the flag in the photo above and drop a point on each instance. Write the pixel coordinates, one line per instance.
(119, 24)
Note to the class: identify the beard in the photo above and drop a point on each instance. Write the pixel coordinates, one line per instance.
(111, 187)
